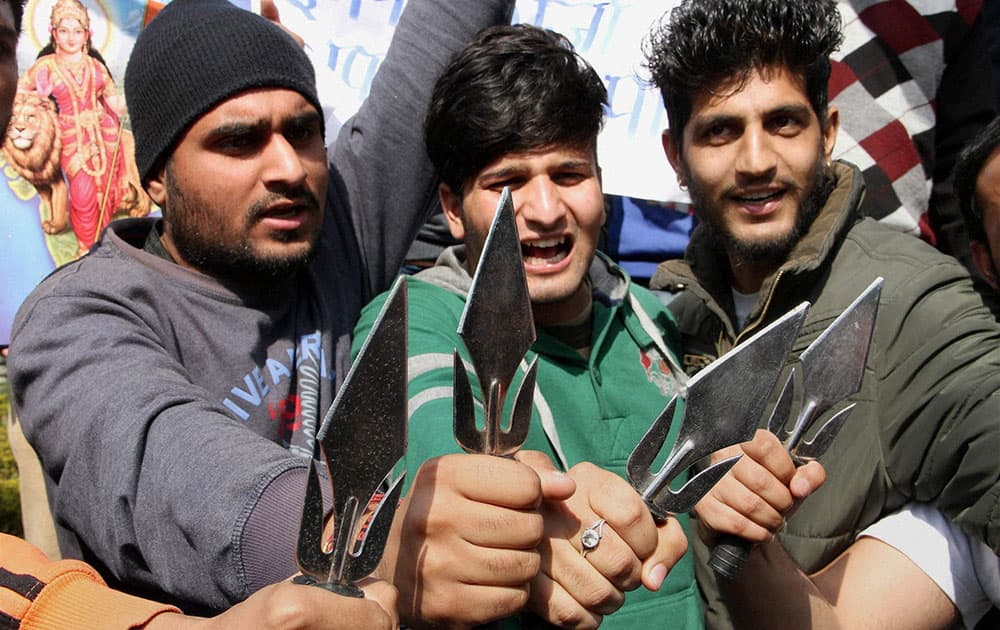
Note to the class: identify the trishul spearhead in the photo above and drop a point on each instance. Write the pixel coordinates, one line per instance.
(831, 370)
(723, 405)
(498, 328)
(362, 439)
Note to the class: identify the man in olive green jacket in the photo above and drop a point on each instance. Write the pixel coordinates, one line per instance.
(751, 135)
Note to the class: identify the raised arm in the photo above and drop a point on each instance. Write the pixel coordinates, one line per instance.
(382, 176)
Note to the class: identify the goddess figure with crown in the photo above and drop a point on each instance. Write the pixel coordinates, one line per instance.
(96, 151)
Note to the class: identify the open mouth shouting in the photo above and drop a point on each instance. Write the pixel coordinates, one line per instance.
(546, 252)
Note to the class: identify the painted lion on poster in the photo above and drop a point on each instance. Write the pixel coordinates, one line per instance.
(33, 147)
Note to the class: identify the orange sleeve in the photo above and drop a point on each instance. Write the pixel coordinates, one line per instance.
(43, 594)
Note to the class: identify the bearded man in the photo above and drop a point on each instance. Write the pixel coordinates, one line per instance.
(172, 381)
(751, 135)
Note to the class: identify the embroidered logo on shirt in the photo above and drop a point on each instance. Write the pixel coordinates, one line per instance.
(658, 370)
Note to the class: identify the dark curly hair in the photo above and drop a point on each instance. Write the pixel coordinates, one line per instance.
(970, 162)
(513, 89)
(707, 42)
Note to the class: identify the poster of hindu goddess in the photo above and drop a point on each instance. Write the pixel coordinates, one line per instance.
(68, 139)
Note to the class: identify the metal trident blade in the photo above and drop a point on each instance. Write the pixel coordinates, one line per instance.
(811, 449)
(783, 407)
(498, 329)
(724, 404)
(832, 368)
(362, 438)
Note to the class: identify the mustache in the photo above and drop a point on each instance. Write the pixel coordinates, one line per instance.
(737, 190)
(300, 196)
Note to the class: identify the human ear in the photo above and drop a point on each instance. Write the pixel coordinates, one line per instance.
(452, 206)
(830, 132)
(673, 153)
(983, 263)
(157, 189)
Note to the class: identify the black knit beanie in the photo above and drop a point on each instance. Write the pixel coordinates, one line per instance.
(195, 54)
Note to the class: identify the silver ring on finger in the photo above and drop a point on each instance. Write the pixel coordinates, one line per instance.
(591, 537)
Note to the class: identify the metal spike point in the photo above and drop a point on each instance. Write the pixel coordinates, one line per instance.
(361, 440)
(832, 370)
(782, 411)
(841, 349)
(497, 323)
(808, 451)
(687, 496)
(520, 420)
(468, 436)
(640, 460)
(710, 420)
(368, 553)
(311, 559)
(498, 329)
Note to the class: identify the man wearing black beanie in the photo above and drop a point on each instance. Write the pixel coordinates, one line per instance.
(172, 380)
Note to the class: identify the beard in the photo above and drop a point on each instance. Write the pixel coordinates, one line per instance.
(204, 242)
(770, 250)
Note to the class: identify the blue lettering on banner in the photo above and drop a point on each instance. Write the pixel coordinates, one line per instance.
(589, 34)
(603, 16)
(305, 7)
(358, 77)
(626, 97)
(397, 8)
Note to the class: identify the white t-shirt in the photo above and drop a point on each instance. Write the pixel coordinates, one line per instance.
(744, 303)
(965, 569)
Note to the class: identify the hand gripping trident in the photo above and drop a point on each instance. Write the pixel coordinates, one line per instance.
(498, 329)
(724, 403)
(362, 438)
(832, 368)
